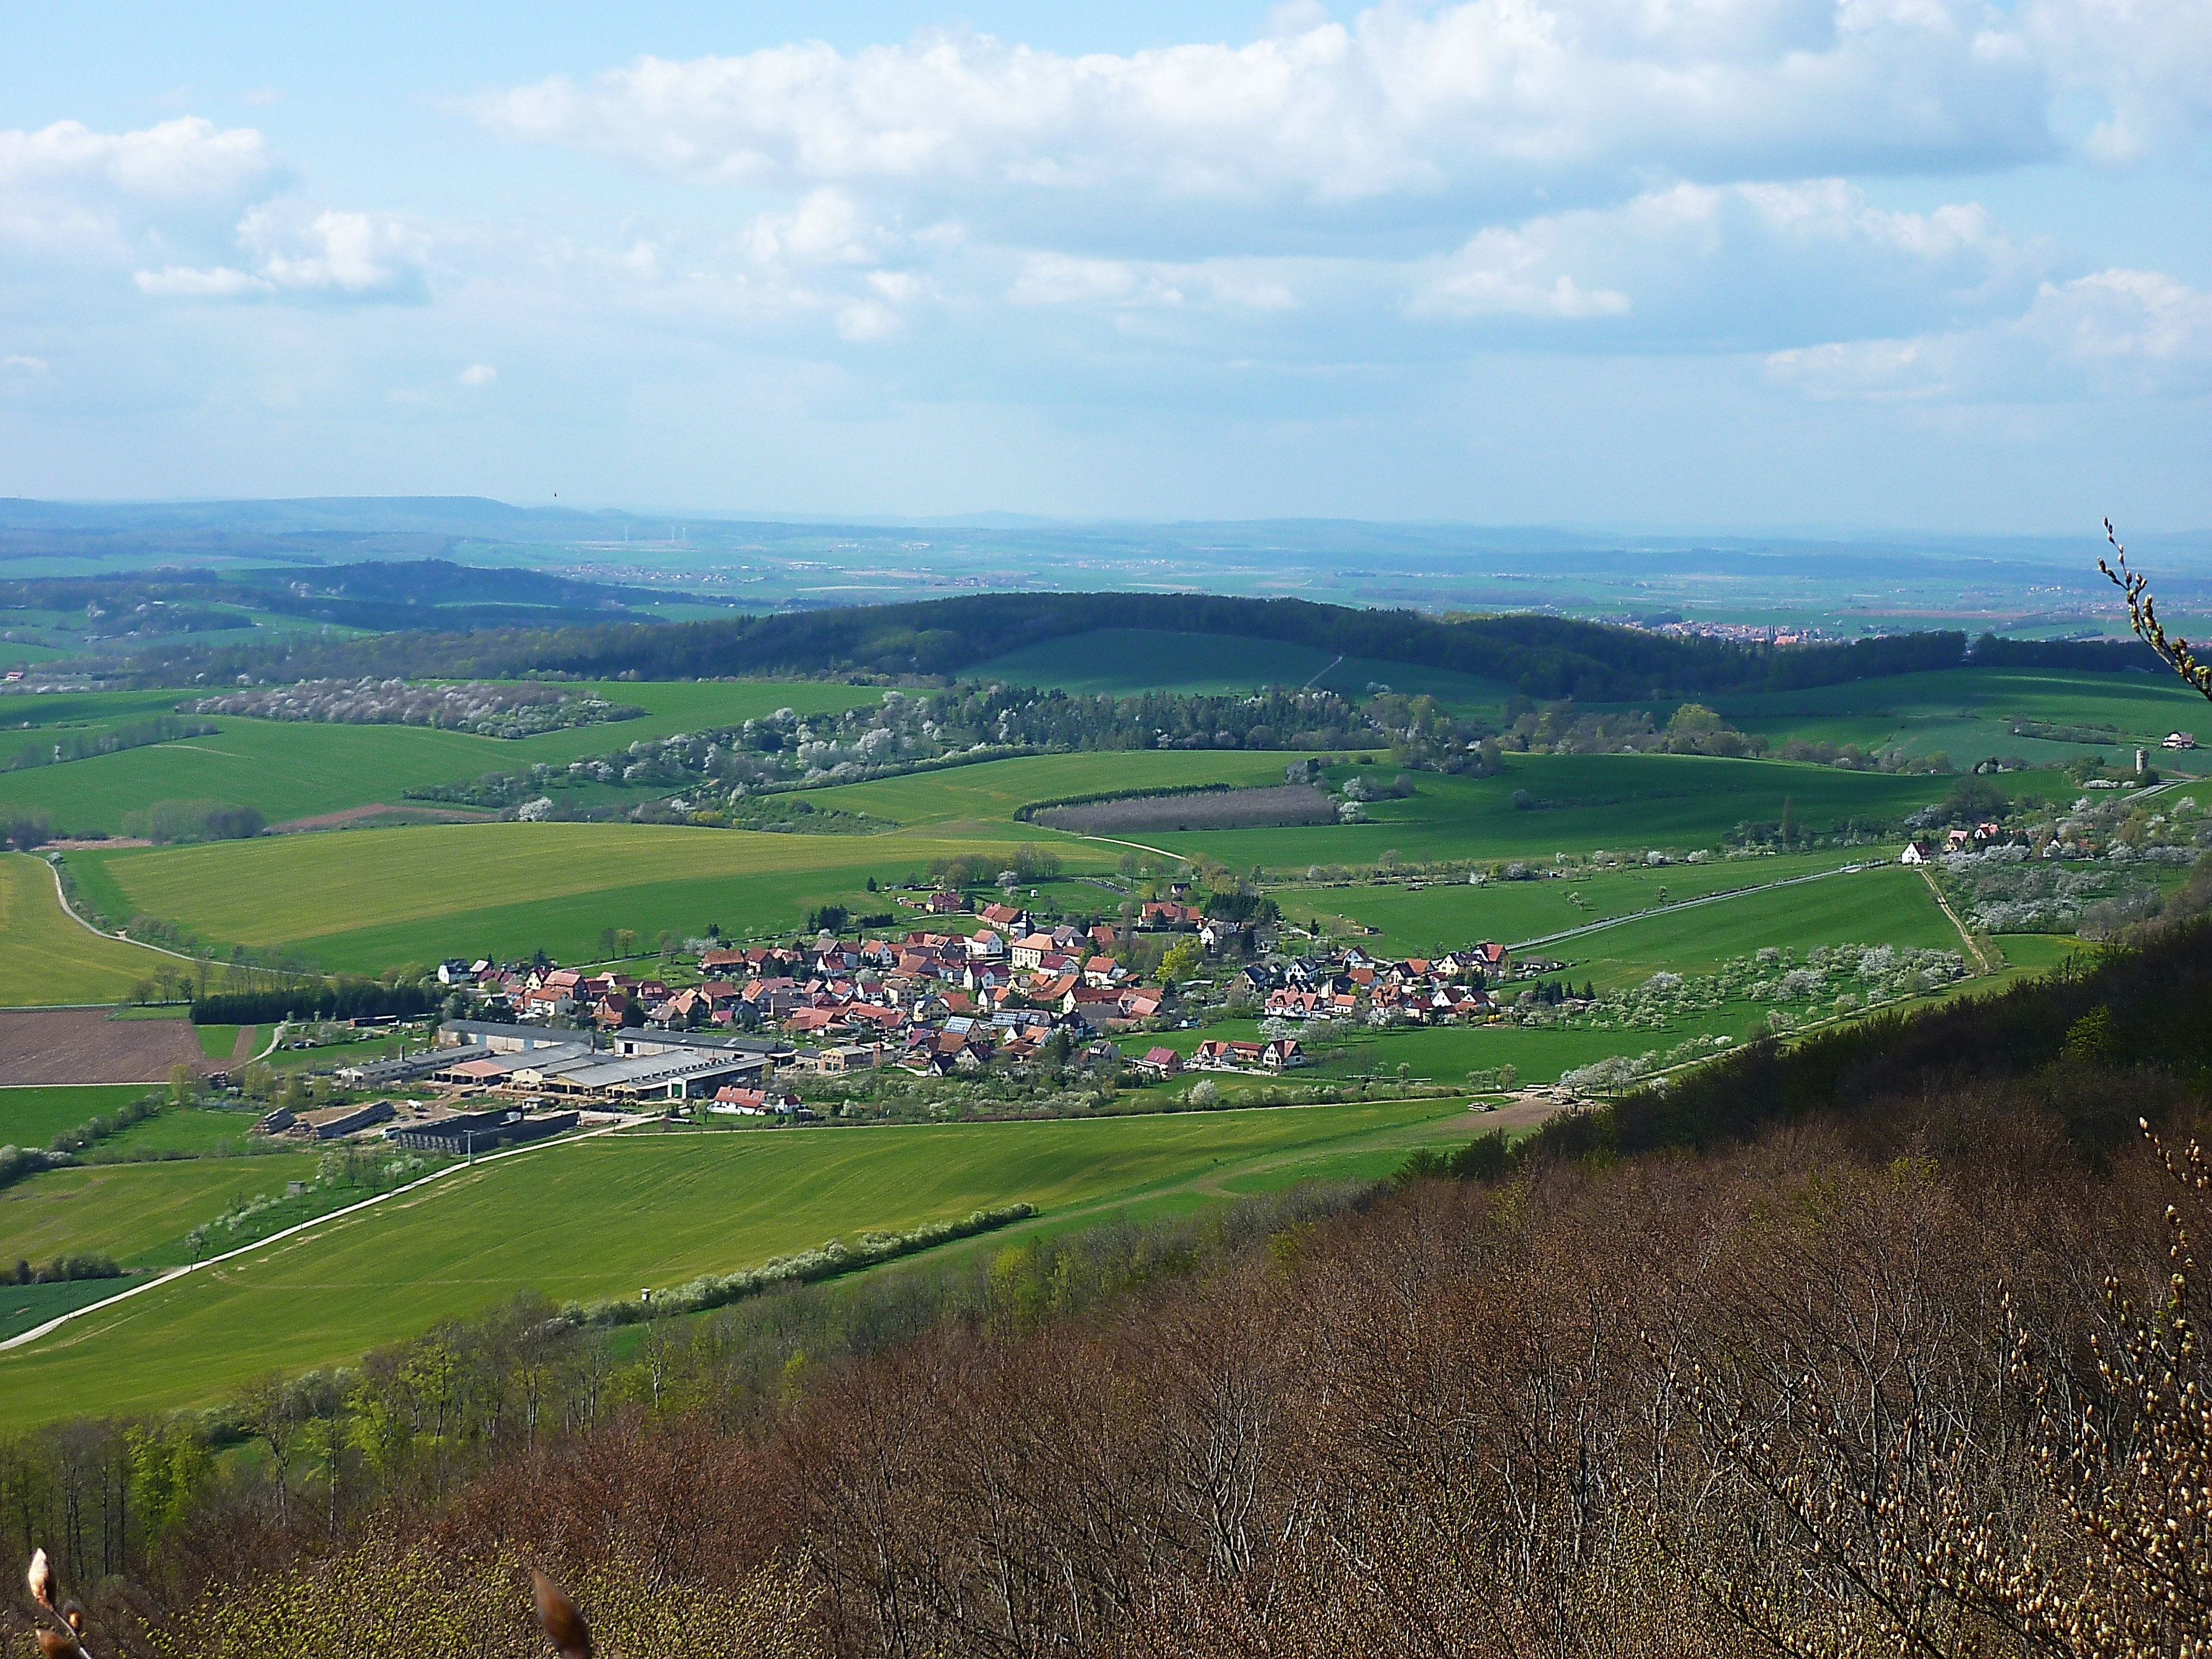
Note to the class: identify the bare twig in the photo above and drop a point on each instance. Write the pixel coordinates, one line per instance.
(2142, 617)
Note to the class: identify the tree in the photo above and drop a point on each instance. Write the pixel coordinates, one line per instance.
(1182, 960)
(181, 1083)
(268, 1411)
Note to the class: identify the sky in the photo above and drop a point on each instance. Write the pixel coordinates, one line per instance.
(1734, 264)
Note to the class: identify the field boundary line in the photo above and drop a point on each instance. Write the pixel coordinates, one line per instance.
(1944, 905)
(1112, 840)
(1318, 672)
(1693, 903)
(69, 910)
(175, 1274)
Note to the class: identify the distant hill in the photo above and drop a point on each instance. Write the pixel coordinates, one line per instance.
(1539, 655)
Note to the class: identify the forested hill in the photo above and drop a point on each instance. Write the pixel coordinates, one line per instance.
(1542, 656)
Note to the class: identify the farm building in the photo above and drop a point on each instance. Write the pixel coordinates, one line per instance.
(336, 1122)
(774, 1051)
(643, 1077)
(394, 1073)
(464, 1133)
(500, 1038)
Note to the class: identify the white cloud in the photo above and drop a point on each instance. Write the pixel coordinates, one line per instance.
(825, 228)
(477, 374)
(187, 283)
(67, 186)
(336, 255)
(1454, 103)
(2115, 333)
(1052, 279)
(1761, 263)
(26, 365)
(2146, 63)
(1501, 272)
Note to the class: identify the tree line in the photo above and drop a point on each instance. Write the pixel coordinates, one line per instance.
(1540, 656)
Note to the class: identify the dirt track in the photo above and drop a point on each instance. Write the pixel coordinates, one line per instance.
(83, 1045)
(378, 810)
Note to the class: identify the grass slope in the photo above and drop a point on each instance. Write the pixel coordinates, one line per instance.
(46, 958)
(138, 1213)
(603, 1217)
(1581, 803)
(33, 1116)
(1968, 713)
(292, 769)
(373, 898)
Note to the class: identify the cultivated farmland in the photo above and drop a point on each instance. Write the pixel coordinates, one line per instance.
(45, 957)
(1274, 806)
(85, 1045)
(295, 769)
(603, 1217)
(138, 1213)
(371, 899)
(1575, 803)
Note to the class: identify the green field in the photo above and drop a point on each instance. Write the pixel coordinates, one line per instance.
(1623, 804)
(32, 1116)
(603, 1217)
(46, 958)
(985, 796)
(1967, 712)
(1442, 915)
(292, 769)
(138, 1213)
(1886, 905)
(373, 898)
(194, 1131)
(23, 1307)
(1125, 661)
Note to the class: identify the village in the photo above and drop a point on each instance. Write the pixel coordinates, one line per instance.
(538, 1049)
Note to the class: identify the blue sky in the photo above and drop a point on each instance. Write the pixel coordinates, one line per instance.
(1729, 264)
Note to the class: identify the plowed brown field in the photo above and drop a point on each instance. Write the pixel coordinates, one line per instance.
(83, 1045)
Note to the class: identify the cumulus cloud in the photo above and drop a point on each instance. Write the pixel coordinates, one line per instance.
(26, 365)
(1758, 263)
(2112, 333)
(477, 374)
(121, 193)
(1448, 104)
(2147, 65)
(336, 255)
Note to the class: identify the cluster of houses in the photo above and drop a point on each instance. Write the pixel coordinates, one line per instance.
(932, 1002)
(1453, 988)
(1957, 839)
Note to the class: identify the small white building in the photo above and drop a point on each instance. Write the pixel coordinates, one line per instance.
(1918, 852)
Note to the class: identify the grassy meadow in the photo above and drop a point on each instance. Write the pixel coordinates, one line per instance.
(45, 959)
(138, 1213)
(1886, 905)
(1968, 713)
(369, 899)
(297, 768)
(32, 1115)
(603, 1218)
(1579, 802)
